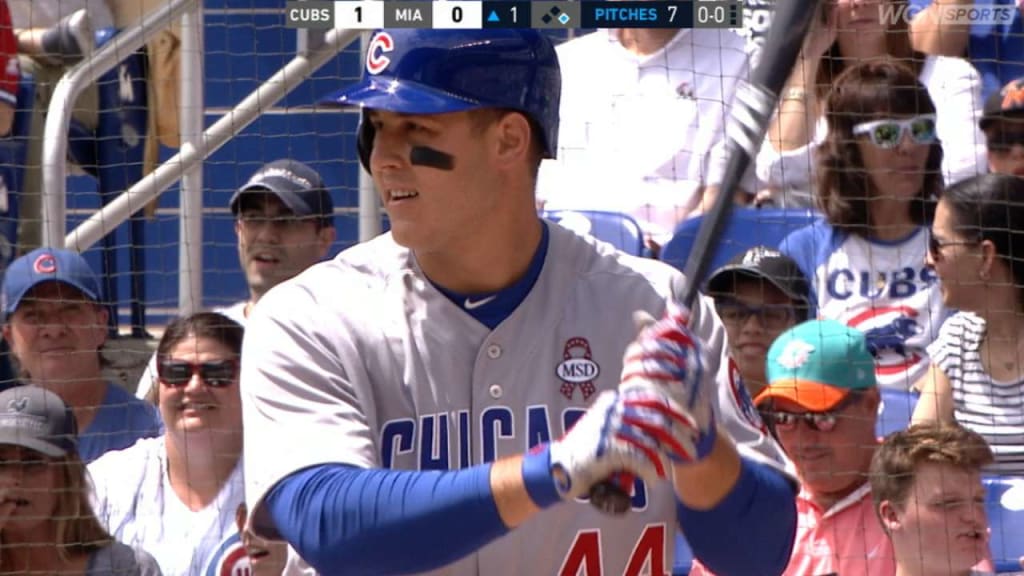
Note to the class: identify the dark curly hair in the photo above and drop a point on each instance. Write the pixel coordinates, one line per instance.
(863, 92)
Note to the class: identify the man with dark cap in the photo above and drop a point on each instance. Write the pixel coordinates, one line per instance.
(284, 220)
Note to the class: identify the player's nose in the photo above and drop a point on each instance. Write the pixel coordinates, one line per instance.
(390, 150)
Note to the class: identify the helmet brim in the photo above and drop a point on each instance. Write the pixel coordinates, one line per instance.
(402, 96)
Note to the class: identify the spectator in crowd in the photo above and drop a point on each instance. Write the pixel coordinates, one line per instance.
(758, 295)
(58, 32)
(55, 324)
(10, 74)
(927, 492)
(822, 402)
(175, 496)
(642, 119)
(992, 37)
(1003, 125)
(878, 174)
(266, 558)
(977, 373)
(848, 32)
(284, 220)
(52, 36)
(46, 523)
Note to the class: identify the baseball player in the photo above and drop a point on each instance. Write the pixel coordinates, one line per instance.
(442, 398)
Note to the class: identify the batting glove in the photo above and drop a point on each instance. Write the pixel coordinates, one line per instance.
(667, 357)
(619, 434)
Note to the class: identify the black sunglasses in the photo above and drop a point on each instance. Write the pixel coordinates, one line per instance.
(216, 374)
(820, 421)
(935, 246)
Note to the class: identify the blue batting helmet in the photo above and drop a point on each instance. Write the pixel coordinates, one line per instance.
(414, 71)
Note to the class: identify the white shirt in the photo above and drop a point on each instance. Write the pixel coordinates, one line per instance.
(955, 88)
(643, 134)
(134, 500)
(990, 407)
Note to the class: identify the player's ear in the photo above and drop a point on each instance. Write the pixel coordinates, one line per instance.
(513, 138)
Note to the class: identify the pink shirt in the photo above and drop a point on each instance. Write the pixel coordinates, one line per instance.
(845, 539)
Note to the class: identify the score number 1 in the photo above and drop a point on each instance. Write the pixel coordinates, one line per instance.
(359, 15)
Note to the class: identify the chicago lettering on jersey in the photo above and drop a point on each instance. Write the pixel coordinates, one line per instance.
(444, 441)
(844, 283)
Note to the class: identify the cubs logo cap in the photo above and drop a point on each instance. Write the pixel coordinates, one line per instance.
(48, 265)
(299, 187)
(37, 419)
(761, 262)
(816, 364)
(1007, 102)
(421, 71)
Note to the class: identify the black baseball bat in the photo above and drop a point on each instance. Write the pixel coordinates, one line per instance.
(752, 109)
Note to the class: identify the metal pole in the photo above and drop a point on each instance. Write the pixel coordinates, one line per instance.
(58, 118)
(369, 203)
(273, 90)
(190, 222)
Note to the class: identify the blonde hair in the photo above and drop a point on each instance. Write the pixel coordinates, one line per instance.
(78, 529)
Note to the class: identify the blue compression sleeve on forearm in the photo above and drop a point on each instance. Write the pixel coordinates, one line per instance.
(760, 511)
(345, 520)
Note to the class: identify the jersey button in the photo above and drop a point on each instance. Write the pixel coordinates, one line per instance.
(494, 351)
(495, 391)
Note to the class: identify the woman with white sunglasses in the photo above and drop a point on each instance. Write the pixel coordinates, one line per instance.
(878, 177)
(176, 496)
(856, 31)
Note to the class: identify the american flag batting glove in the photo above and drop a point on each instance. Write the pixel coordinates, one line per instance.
(667, 357)
(601, 445)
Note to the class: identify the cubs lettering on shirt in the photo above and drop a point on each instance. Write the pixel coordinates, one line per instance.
(882, 288)
(409, 380)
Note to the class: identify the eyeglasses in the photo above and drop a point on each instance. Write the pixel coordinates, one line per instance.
(935, 245)
(820, 421)
(771, 316)
(216, 374)
(1004, 140)
(888, 133)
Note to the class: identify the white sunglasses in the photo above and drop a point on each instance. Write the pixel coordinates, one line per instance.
(888, 133)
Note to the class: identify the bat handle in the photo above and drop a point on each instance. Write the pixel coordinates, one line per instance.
(610, 498)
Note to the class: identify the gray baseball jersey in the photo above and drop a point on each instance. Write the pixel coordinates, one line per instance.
(362, 361)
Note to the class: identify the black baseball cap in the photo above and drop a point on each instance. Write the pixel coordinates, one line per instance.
(297, 185)
(763, 263)
(1007, 102)
(37, 419)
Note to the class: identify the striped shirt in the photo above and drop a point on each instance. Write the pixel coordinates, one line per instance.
(991, 408)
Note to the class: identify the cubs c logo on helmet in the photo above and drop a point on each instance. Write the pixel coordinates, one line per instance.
(376, 61)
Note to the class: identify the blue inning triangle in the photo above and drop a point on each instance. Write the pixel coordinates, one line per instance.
(493, 17)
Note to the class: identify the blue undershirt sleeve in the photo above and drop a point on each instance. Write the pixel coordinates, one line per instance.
(760, 511)
(346, 520)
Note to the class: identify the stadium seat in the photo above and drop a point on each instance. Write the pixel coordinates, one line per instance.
(615, 228)
(747, 227)
(113, 154)
(1004, 504)
(895, 412)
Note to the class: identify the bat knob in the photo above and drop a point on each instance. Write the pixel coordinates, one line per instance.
(610, 498)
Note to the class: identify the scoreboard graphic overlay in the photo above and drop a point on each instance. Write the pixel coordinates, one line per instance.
(556, 14)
